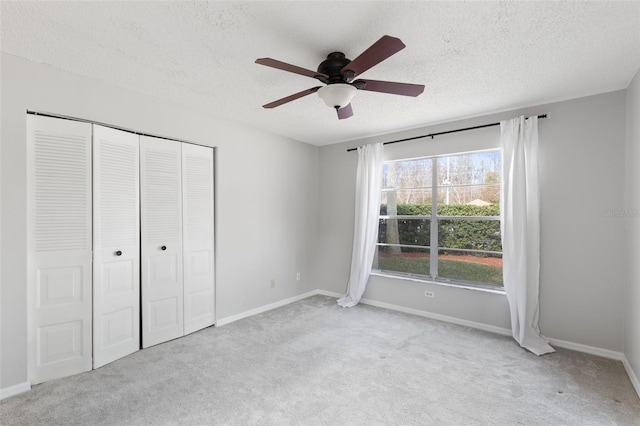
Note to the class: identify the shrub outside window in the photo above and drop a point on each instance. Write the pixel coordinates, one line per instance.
(440, 219)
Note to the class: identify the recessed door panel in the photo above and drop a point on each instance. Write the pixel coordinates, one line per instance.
(164, 268)
(119, 327)
(164, 314)
(60, 342)
(59, 286)
(199, 303)
(119, 277)
(199, 263)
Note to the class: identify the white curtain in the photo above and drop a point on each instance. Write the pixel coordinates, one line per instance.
(365, 234)
(520, 210)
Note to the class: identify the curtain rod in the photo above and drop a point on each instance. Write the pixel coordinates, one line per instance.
(431, 135)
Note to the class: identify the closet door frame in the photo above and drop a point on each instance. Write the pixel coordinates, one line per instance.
(61, 342)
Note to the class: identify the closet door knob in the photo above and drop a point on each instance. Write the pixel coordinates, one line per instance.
(163, 248)
(118, 253)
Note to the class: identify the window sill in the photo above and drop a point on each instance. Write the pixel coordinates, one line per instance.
(445, 284)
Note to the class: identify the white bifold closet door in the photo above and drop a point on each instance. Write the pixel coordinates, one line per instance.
(161, 247)
(116, 241)
(197, 211)
(58, 247)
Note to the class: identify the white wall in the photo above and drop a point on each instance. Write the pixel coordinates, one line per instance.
(632, 231)
(582, 150)
(266, 194)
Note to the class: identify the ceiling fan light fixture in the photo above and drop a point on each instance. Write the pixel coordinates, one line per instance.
(337, 95)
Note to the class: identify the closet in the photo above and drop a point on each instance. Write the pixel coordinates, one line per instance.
(120, 243)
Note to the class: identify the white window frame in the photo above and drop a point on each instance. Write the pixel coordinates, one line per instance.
(433, 219)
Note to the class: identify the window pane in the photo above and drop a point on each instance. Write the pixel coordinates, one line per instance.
(481, 170)
(413, 196)
(407, 173)
(414, 232)
(474, 267)
(469, 234)
(477, 199)
(403, 259)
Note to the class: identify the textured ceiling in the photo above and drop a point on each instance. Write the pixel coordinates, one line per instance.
(473, 57)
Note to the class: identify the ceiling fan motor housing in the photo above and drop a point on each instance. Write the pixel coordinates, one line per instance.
(332, 66)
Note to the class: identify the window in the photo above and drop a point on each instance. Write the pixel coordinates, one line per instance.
(440, 219)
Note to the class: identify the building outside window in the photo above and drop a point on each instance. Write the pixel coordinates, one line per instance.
(440, 219)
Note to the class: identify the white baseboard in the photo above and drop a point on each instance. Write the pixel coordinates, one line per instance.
(605, 353)
(439, 317)
(14, 390)
(328, 293)
(632, 375)
(265, 308)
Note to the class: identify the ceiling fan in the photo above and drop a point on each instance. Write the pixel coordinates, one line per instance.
(338, 73)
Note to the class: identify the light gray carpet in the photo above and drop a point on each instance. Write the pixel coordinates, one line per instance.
(315, 363)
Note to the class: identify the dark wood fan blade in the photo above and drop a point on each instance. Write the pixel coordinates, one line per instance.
(288, 67)
(291, 97)
(376, 53)
(345, 112)
(391, 87)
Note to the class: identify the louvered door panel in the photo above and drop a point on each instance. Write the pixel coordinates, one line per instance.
(58, 247)
(197, 185)
(161, 207)
(116, 264)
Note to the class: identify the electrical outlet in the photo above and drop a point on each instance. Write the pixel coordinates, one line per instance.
(429, 294)
(298, 276)
(273, 283)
